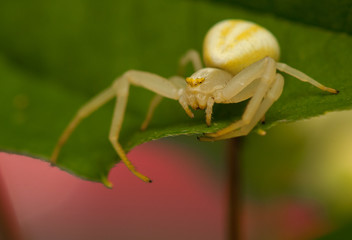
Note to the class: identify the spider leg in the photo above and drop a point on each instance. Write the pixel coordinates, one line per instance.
(267, 71)
(120, 88)
(273, 94)
(82, 113)
(303, 77)
(190, 56)
(178, 82)
(119, 112)
(153, 104)
(153, 82)
(209, 111)
(262, 120)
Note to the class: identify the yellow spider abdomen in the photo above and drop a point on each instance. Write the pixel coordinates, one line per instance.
(233, 45)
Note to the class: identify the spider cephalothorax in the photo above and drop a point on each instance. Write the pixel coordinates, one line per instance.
(201, 86)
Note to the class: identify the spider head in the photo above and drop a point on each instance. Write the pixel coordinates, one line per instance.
(194, 82)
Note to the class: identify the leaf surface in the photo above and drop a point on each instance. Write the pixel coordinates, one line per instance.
(55, 57)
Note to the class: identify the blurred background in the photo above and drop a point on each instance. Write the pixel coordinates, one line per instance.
(298, 189)
(295, 181)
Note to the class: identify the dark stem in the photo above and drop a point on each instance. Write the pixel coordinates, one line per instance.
(234, 188)
(9, 229)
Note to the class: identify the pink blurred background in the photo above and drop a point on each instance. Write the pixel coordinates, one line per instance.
(187, 200)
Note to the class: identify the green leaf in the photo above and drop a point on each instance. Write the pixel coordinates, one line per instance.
(329, 14)
(56, 56)
(343, 232)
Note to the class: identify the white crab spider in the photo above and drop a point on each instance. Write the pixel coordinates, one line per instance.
(241, 63)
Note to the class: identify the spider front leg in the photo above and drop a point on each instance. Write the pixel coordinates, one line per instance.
(243, 86)
(120, 89)
(273, 94)
(82, 113)
(149, 81)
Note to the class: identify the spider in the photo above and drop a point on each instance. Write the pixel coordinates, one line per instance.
(241, 61)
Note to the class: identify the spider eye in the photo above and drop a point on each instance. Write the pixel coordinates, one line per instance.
(193, 82)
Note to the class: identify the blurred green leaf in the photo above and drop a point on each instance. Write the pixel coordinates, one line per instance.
(56, 55)
(343, 232)
(328, 14)
(270, 165)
